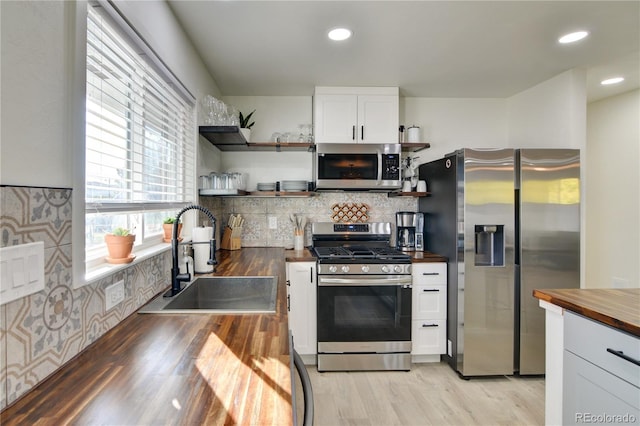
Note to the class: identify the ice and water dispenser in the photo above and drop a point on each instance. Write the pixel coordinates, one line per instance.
(489, 250)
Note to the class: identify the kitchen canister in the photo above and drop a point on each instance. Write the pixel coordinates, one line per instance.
(202, 249)
(413, 134)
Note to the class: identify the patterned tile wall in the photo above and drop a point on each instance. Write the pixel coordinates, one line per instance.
(40, 332)
(257, 210)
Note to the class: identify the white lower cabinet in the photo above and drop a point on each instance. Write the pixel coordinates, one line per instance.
(429, 311)
(301, 305)
(601, 378)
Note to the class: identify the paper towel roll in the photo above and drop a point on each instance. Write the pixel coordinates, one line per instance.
(202, 252)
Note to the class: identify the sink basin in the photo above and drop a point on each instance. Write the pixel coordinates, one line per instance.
(220, 295)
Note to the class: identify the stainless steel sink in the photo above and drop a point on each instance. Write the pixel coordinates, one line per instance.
(220, 295)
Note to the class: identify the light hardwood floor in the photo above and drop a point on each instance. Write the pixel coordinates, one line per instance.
(430, 394)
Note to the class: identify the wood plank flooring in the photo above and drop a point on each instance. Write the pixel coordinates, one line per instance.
(430, 394)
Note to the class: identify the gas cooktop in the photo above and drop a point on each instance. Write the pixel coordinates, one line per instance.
(358, 253)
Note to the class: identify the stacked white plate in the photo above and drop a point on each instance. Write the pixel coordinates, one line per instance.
(294, 185)
(266, 186)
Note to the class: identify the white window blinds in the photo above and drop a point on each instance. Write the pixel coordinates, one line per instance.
(139, 130)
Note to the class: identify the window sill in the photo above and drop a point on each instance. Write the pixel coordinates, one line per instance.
(104, 270)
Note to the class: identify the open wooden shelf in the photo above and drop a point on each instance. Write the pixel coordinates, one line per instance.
(229, 138)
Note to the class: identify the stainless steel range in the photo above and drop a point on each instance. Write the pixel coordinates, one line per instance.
(364, 298)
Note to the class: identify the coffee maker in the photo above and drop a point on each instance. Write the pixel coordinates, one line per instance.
(409, 231)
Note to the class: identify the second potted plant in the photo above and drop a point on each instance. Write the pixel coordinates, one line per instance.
(167, 227)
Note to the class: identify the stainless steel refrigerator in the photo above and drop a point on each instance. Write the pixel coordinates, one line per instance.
(509, 222)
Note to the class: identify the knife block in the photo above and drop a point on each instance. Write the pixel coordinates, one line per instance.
(231, 239)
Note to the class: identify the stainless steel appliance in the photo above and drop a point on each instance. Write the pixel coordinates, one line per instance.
(357, 166)
(409, 231)
(364, 298)
(509, 222)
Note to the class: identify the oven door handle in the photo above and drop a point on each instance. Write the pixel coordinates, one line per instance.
(364, 281)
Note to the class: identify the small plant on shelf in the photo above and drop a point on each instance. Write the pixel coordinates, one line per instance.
(244, 121)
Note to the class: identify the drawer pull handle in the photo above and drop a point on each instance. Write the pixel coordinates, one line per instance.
(429, 325)
(623, 356)
(430, 289)
(431, 273)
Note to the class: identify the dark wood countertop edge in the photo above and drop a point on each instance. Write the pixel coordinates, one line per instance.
(588, 312)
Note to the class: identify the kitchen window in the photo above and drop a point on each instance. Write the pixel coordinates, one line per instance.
(139, 137)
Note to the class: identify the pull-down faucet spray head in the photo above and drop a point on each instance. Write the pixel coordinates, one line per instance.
(176, 277)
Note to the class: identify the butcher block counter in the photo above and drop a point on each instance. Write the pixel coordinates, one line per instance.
(178, 368)
(591, 325)
(618, 308)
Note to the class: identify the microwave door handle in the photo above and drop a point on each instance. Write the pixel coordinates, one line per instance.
(379, 167)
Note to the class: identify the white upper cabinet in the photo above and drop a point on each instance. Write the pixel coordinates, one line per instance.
(356, 114)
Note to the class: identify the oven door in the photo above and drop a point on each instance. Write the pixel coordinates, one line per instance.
(366, 311)
(351, 166)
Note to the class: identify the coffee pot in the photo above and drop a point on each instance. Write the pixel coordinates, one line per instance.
(409, 231)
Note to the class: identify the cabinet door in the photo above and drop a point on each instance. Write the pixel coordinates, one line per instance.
(428, 337)
(429, 273)
(594, 395)
(335, 118)
(378, 118)
(301, 300)
(429, 301)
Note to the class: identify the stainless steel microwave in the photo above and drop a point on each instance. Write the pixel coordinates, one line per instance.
(352, 166)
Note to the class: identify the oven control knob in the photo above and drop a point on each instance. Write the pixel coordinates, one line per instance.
(397, 269)
(365, 268)
(333, 269)
(385, 269)
(345, 269)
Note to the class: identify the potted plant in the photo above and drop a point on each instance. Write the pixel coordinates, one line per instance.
(167, 226)
(245, 125)
(120, 244)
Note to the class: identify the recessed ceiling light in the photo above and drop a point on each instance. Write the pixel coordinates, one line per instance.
(614, 80)
(339, 34)
(570, 38)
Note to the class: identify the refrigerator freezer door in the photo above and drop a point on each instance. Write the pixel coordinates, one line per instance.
(486, 294)
(549, 240)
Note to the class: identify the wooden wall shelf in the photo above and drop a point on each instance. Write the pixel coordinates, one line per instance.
(229, 138)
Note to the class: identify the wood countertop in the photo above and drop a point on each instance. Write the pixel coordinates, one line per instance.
(178, 368)
(619, 308)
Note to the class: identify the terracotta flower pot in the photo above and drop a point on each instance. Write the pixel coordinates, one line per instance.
(168, 231)
(119, 247)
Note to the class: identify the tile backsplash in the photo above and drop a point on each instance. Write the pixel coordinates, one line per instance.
(257, 212)
(42, 331)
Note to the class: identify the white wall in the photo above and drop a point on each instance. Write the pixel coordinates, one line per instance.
(551, 114)
(613, 175)
(34, 143)
(452, 123)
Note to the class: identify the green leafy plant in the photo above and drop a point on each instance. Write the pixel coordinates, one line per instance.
(121, 232)
(170, 221)
(244, 121)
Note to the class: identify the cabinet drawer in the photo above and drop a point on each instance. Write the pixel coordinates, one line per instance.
(428, 337)
(429, 302)
(429, 273)
(603, 346)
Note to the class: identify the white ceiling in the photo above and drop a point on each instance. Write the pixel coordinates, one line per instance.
(427, 48)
